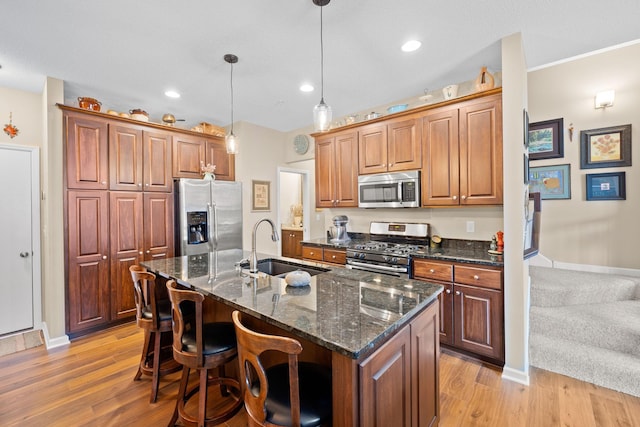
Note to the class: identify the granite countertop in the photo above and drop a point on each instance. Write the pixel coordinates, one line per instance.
(468, 252)
(328, 312)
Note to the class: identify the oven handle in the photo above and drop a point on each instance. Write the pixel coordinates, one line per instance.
(363, 265)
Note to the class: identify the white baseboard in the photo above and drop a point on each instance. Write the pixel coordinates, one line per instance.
(541, 261)
(597, 269)
(521, 377)
(53, 342)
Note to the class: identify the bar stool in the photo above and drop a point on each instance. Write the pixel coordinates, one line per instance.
(203, 347)
(288, 394)
(153, 315)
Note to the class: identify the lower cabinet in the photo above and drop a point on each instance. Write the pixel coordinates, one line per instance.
(109, 232)
(471, 306)
(399, 383)
(291, 243)
(325, 255)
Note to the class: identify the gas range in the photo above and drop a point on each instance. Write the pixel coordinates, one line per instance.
(390, 248)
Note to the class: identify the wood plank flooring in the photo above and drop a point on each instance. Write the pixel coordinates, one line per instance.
(90, 383)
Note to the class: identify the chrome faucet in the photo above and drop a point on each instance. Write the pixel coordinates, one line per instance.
(253, 260)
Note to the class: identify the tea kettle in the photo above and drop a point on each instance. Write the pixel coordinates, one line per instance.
(340, 234)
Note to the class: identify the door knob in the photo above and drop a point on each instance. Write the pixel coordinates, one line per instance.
(24, 254)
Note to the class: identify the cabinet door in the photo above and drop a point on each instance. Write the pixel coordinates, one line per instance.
(325, 172)
(87, 153)
(88, 268)
(188, 156)
(312, 252)
(445, 300)
(385, 384)
(158, 226)
(335, 256)
(479, 320)
(157, 161)
(125, 157)
(372, 149)
(292, 243)
(481, 152)
(425, 365)
(216, 154)
(346, 156)
(125, 219)
(440, 173)
(404, 145)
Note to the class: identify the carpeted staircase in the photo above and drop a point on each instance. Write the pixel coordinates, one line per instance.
(587, 326)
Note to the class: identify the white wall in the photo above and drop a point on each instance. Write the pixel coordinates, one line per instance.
(603, 233)
(290, 194)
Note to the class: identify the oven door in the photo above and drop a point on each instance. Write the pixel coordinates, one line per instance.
(391, 270)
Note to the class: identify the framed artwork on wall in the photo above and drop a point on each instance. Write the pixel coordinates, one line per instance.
(606, 186)
(260, 195)
(552, 182)
(546, 140)
(605, 147)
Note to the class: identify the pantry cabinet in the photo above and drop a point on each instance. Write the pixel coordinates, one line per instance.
(471, 306)
(87, 153)
(462, 154)
(389, 146)
(337, 170)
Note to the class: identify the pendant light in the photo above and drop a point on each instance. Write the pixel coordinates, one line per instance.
(231, 142)
(321, 112)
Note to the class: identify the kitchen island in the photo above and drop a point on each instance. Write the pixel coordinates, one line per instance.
(379, 334)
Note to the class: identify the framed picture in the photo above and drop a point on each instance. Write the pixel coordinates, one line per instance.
(606, 186)
(260, 195)
(552, 182)
(606, 147)
(532, 227)
(546, 139)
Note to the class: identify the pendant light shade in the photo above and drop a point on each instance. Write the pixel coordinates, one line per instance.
(321, 112)
(231, 141)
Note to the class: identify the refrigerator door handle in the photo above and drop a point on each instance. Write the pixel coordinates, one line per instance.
(213, 214)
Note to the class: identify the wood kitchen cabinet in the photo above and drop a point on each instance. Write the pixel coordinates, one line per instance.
(87, 159)
(326, 255)
(139, 160)
(337, 170)
(87, 291)
(291, 243)
(462, 153)
(390, 146)
(188, 156)
(216, 154)
(472, 305)
(400, 381)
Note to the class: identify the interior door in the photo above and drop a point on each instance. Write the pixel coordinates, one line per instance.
(17, 248)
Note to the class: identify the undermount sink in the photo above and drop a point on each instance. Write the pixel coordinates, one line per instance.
(276, 267)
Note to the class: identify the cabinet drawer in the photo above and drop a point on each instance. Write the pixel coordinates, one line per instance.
(335, 256)
(484, 277)
(312, 252)
(428, 270)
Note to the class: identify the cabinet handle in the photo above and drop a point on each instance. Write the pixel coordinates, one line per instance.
(457, 292)
(146, 185)
(139, 184)
(464, 197)
(476, 277)
(455, 197)
(104, 182)
(312, 253)
(140, 253)
(432, 271)
(447, 291)
(333, 256)
(104, 257)
(148, 251)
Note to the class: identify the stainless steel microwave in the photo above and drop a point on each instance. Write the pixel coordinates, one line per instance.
(389, 190)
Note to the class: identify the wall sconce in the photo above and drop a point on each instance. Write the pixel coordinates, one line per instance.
(605, 98)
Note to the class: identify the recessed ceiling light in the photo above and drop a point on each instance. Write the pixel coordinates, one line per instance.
(172, 94)
(411, 45)
(306, 88)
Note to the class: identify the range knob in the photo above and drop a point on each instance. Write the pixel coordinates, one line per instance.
(394, 260)
(362, 255)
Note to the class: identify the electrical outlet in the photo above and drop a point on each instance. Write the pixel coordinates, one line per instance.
(471, 226)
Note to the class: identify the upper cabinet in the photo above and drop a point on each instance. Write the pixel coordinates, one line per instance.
(216, 154)
(462, 153)
(337, 170)
(87, 153)
(190, 153)
(389, 146)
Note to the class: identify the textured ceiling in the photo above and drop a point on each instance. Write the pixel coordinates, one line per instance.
(127, 53)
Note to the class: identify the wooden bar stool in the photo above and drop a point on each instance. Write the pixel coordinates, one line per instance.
(203, 347)
(153, 315)
(288, 394)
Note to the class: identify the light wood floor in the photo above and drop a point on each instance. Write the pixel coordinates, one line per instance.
(90, 383)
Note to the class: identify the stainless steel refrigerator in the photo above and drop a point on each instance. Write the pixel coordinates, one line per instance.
(208, 216)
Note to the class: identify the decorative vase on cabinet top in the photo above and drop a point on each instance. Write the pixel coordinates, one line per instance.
(485, 80)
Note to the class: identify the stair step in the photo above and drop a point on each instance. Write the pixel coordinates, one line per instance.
(613, 326)
(552, 287)
(606, 368)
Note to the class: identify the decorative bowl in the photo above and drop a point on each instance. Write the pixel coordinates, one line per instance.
(397, 108)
